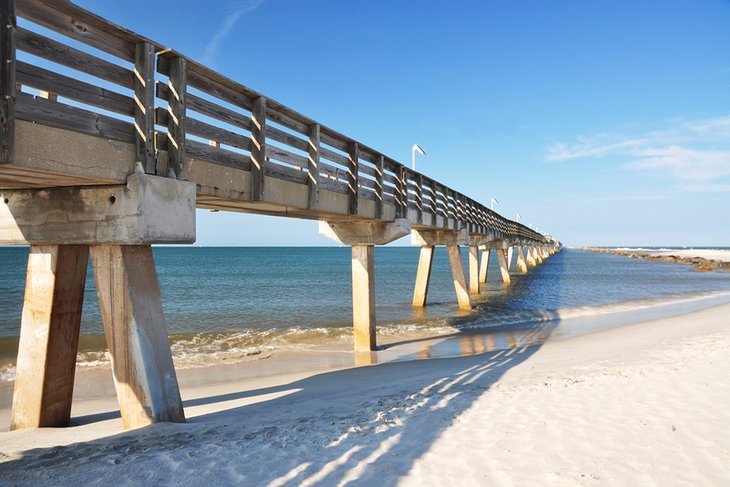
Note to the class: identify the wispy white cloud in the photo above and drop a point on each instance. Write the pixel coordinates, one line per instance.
(225, 28)
(686, 150)
(705, 188)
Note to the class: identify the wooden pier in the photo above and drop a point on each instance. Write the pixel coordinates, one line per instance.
(108, 143)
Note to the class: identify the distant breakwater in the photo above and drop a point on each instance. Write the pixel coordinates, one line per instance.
(699, 264)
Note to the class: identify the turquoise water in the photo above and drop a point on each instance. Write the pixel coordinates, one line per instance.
(241, 300)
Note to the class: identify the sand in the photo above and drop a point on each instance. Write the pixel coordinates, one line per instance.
(643, 404)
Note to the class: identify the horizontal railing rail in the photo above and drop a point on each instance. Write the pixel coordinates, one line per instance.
(77, 71)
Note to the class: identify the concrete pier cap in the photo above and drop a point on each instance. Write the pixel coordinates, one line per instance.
(148, 209)
(425, 238)
(365, 232)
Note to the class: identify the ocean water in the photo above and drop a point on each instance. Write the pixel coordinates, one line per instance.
(223, 304)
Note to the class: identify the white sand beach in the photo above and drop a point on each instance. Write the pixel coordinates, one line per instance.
(644, 404)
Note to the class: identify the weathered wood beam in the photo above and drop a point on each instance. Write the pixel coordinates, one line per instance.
(134, 325)
(353, 165)
(176, 108)
(258, 149)
(49, 336)
(8, 27)
(144, 105)
(313, 167)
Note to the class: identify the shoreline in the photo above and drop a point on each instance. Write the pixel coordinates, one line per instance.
(648, 397)
(701, 260)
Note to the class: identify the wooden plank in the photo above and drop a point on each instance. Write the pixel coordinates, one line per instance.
(77, 23)
(215, 135)
(144, 96)
(423, 276)
(353, 165)
(49, 336)
(134, 325)
(8, 26)
(57, 52)
(279, 135)
(332, 156)
(279, 171)
(209, 109)
(67, 87)
(223, 157)
(258, 147)
(177, 110)
(313, 178)
(363, 297)
(282, 155)
(67, 117)
(208, 81)
(379, 201)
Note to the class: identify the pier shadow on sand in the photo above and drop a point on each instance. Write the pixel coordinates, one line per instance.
(360, 426)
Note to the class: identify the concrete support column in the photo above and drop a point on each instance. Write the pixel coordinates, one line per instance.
(531, 256)
(457, 272)
(118, 223)
(474, 269)
(49, 336)
(363, 297)
(452, 239)
(521, 264)
(510, 254)
(131, 309)
(363, 236)
(484, 264)
(502, 259)
(423, 277)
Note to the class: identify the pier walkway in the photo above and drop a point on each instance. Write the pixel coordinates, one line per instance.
(108, 143)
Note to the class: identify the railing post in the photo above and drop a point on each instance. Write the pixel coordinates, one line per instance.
(419, 198)
(379, 162)
(144, 105)
(8, 27)
(176, 158)
(353, 163)
(258, 147)
(313, 167)
(434, 202)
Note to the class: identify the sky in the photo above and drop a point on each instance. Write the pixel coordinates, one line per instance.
(602, 122)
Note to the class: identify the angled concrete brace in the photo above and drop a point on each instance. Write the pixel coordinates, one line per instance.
(117, 224)
(363, 236)
(501, 249)
(452, 239)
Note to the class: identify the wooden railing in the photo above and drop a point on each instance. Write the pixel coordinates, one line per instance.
(103, 80)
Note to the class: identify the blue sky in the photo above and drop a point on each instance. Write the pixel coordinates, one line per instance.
(602, 122)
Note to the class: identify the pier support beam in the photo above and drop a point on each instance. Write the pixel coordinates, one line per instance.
(484, 264)
(118, 224)
(423, 276)
(452, 239)
(131, 310)
(502, 260)
(363, 236)
(474, 269)
(521, 264)
(510, 254)
(49, 336)
(531, 256)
